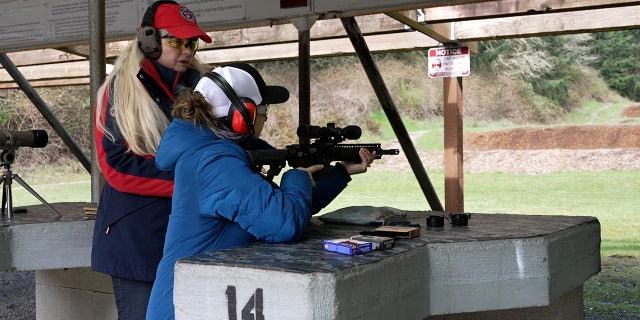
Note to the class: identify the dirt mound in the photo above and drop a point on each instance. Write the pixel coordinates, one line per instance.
(539, 150)
(566, 137)
(633, 111)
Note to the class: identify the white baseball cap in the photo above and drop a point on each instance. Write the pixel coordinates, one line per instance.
(246, 82)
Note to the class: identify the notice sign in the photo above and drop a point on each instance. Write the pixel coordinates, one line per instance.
(449, 62)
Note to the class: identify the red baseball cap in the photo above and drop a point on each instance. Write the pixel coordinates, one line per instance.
(179, 21)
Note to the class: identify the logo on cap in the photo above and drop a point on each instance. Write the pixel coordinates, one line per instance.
(187, 14)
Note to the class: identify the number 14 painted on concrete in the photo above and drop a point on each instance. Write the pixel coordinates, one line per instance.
(254, 303)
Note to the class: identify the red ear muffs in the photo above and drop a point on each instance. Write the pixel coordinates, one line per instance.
(242, 112)
(237, 118)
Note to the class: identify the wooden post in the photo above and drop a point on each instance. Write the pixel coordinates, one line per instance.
(453, 151)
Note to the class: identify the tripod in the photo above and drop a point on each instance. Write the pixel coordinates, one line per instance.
(7, 201)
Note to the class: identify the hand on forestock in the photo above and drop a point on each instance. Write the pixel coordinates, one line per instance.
(366, 158)
(311, 170)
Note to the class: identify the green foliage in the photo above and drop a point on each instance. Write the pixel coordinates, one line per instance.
(432, 140)
(7, 108)
(489, 53)
(409, 57)
(596, 113)
(523, 81)
(317, 64)
(411, 100)
(5, 114)
(554, 82)
(539, 108)
(548, 64)
(557, 90)
(619, 60)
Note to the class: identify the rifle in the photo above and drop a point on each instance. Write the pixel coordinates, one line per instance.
(325, 149)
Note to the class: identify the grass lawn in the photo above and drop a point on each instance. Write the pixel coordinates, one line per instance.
(611, 196)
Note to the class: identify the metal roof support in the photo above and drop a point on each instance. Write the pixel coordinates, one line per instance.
(46, 112)
(303, 24)
(97, 75)
(370, 68)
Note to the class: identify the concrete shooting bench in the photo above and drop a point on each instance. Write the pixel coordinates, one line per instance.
(59, 251)
(500, 266)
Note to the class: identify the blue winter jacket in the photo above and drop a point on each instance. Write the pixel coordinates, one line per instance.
(219, 202)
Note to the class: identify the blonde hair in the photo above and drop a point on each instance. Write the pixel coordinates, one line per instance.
(191, 106)
(140, 121)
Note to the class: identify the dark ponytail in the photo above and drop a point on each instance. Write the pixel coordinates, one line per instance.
(191, 106)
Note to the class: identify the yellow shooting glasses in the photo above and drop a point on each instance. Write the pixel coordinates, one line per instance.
(181, 43)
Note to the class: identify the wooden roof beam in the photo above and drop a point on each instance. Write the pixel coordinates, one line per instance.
(257, 36)
(76, 69)
(41, 56)
(81, 51)
(78, 72)
(597, 20)
(48, 83)
(503, 8)
(439, 32)
(287, 33)
(319, 48)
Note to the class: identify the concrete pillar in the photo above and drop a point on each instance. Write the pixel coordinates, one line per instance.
(74, 294)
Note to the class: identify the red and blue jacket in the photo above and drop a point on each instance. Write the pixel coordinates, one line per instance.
(135, 201)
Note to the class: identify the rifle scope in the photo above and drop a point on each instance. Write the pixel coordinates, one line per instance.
(329, 132)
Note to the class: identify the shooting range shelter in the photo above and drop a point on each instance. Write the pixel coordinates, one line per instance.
(75, 40)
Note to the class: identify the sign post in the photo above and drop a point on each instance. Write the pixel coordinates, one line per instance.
(452, 63)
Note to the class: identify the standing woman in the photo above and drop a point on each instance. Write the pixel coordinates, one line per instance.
(131, 115)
